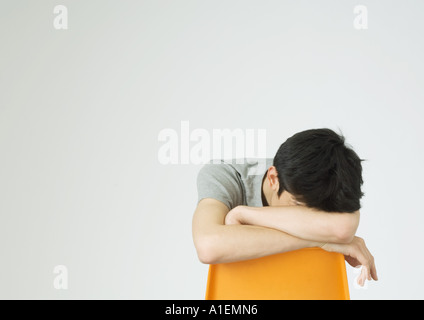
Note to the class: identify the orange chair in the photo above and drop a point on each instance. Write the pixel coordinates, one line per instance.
(306, 274)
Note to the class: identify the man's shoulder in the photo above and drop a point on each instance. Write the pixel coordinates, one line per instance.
(250, 166)
(233, 182)
(241, 167)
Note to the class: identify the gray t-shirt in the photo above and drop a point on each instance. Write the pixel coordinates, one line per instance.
(233, 182)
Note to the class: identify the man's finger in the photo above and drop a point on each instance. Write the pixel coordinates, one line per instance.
(364, 275)
(374, 272)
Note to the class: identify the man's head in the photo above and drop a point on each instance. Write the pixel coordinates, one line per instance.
(315, 168)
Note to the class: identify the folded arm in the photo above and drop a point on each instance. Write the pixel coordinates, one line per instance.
(299, 221)
(216, 242)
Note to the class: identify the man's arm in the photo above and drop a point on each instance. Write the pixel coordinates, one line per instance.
(216, 242)
(299, 221)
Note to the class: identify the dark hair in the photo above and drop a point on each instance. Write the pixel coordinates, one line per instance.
(320, 170)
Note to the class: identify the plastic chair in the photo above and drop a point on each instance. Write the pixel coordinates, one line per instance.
(306, 274)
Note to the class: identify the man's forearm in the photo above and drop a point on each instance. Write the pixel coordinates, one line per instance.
(232, 243)
(302, 222)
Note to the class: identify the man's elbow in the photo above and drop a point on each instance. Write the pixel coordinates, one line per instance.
(345, 235)
(206, 256)
(345, 232)
(207, 252)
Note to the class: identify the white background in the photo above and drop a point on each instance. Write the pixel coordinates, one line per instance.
(81, 109)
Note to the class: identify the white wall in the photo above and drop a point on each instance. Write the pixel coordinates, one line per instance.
(81, 109)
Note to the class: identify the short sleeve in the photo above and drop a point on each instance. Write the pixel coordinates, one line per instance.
(221, 182)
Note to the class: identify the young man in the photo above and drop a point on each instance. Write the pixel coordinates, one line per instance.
(308, 197)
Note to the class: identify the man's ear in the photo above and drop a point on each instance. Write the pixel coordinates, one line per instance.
(272, 177)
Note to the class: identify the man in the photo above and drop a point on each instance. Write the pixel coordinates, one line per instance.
(308, 197)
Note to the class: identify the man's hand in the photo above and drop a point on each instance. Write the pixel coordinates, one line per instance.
(234, 216)
(356, 253)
